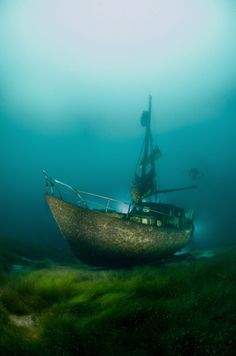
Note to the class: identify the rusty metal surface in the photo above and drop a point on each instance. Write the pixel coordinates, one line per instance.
(101, 239)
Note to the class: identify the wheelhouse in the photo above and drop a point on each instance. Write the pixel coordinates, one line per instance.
(158, 214)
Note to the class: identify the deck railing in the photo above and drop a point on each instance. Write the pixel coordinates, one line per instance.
(59, 189)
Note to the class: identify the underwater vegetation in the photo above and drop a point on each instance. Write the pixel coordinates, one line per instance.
(174, 309)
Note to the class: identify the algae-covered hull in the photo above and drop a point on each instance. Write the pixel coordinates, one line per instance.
(100, 239)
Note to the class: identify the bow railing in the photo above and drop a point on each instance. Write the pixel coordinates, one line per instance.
(85, 199)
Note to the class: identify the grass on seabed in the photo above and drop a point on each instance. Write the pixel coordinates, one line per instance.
(175, 310)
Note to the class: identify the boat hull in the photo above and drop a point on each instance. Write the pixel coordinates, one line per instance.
(101, 239)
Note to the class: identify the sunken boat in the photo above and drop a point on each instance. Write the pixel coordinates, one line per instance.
(103, 231)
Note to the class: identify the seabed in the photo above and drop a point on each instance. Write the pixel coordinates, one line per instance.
(182, 307)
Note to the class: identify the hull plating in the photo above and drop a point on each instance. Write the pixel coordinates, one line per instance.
(101, 239)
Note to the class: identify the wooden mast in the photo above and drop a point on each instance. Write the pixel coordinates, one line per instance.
(148, 139)
(144, 181)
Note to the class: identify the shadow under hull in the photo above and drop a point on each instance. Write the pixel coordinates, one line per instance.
(100, 239)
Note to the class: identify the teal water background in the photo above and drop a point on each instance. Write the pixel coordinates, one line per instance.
(74, 81)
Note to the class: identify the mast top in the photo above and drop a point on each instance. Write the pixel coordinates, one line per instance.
(146, 115)
(150, 105)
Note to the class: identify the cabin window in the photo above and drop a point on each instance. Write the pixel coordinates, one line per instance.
(135, 218)
(159, 223)
(144, 221)
(174, 222)
(189, 214)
